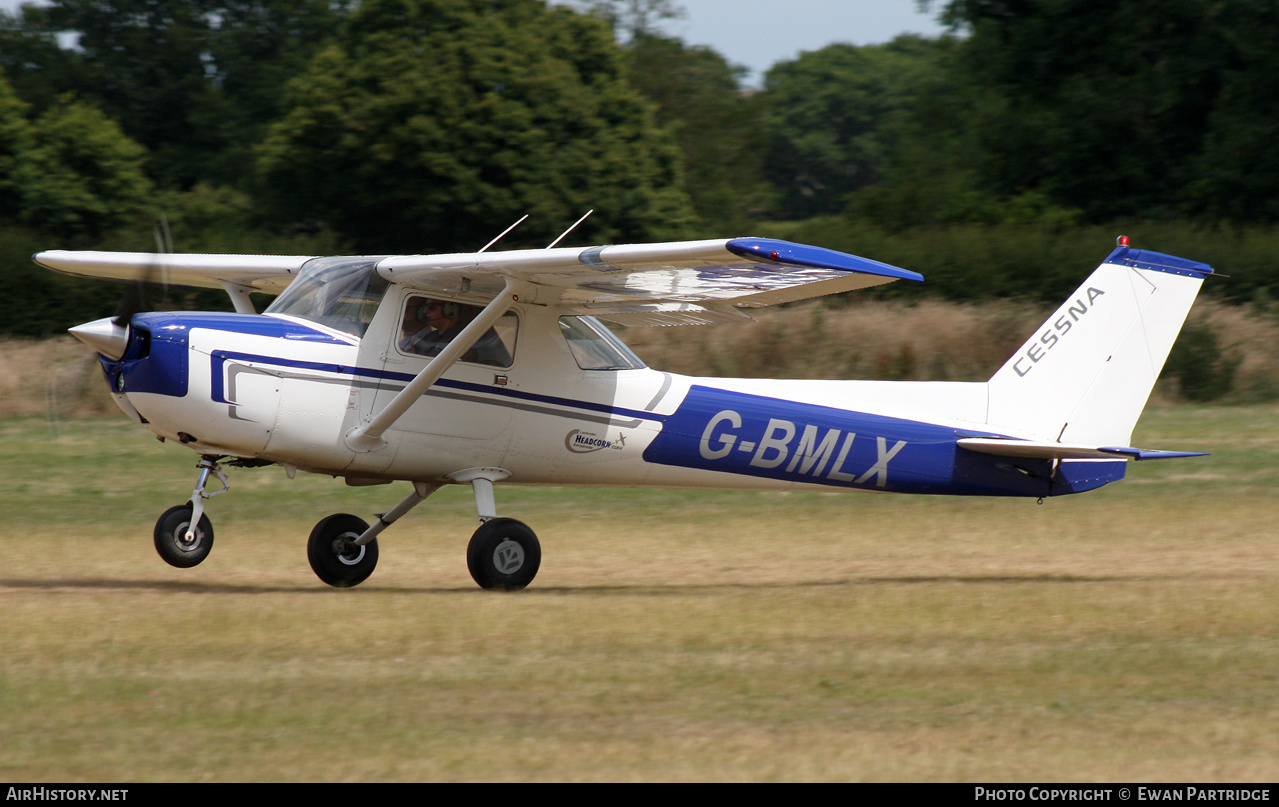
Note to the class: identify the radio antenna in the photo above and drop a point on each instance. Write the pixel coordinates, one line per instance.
(570, 229)
(504, 232)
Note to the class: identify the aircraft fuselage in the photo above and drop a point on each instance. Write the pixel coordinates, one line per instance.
(289, 391)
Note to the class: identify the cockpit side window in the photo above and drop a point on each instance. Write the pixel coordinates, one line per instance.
(342, 293)
(595, 347)
(429, 324)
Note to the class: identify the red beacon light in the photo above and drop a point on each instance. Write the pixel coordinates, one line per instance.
(1121, 241)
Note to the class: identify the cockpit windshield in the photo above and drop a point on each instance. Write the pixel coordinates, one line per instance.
(342, 293)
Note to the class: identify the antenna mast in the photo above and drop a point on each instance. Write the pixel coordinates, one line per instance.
(570, 229)
(504, 232)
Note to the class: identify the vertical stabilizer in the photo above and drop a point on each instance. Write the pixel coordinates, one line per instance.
(1086, 373)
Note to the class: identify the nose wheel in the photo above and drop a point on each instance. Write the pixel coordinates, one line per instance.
(177, 543)
(184, 534)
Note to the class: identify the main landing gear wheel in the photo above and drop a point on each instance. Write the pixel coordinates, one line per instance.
(335, 557)
(503, 555)
(171, 537)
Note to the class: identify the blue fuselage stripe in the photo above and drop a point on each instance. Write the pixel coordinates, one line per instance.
(221, 356)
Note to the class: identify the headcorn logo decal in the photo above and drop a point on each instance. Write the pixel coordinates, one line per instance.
(583, 442)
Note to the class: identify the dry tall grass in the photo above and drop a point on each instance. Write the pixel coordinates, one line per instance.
(51, 377)
(1249, 336)
(930, 340)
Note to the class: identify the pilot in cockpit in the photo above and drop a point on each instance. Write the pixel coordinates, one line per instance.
(430, 324)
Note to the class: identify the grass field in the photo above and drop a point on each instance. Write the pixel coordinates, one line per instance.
(1127, 634)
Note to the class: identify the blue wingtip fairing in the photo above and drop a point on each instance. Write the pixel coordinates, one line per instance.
(776, 251)
(1158, 261)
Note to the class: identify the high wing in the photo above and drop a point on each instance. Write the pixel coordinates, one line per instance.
(265, 273)
(673, 283)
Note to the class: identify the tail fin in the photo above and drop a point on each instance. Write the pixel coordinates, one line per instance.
(1086, 373)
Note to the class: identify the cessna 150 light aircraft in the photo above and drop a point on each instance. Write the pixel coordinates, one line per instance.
(493, 367)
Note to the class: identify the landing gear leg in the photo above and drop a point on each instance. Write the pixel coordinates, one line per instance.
(183, 534)
(207, 465)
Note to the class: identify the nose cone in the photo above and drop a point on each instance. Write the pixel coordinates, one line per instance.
(104, 336)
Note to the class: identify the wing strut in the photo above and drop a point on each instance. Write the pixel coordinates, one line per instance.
(369, 436)
(239, 297)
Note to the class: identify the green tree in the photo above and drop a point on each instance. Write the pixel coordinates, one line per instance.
(931, 174)
(70, 172)
(1236, 175)
(633, 18)
(15, 140)
(254, 48)
(39, 69)
(80, 178)
(142, 63)
(1107, 103)
(699, 98)
(434, 123)
(194, 81)
(829, 116)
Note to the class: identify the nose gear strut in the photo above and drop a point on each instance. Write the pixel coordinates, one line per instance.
(208, 465)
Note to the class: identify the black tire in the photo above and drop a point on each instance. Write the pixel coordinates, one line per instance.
(170, 537)
(504, 555)
(334, 557)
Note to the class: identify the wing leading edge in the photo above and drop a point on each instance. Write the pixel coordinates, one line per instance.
(266, 273)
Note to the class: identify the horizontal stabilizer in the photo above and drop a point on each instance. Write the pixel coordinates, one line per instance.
(1003, 447)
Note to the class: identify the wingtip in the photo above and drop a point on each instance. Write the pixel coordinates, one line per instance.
(790, 253)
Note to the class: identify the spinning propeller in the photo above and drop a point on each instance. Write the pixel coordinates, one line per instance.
(110, 335)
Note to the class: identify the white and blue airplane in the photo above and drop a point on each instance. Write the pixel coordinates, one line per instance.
(493, 368)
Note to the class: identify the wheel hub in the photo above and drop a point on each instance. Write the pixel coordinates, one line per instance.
(180, 537)
(508, 557)
(347, 551)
